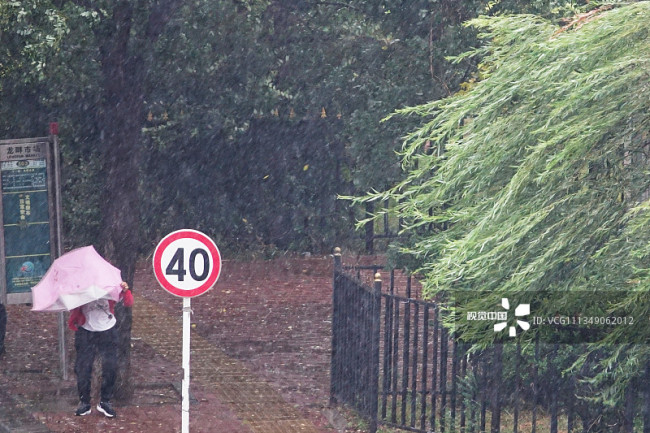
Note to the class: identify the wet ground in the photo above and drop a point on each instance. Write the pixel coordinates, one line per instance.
(260, 358)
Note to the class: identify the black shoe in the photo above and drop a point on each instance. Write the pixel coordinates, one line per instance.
(106, 408)
(83, 409)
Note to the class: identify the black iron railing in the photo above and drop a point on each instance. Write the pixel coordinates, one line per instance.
(396, 365)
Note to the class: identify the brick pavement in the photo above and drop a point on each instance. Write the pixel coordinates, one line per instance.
(16, 417)
(260, 358)
(252, 400)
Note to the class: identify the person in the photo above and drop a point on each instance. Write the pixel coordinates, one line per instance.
(95, 331)
(3, 328)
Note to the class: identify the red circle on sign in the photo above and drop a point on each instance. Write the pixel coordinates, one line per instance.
(209, 245)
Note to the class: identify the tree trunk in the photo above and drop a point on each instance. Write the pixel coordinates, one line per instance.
(124, 75)
(122, 119)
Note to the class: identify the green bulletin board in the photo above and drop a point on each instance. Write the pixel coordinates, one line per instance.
(26, 210)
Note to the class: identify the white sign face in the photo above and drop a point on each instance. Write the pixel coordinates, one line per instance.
(187, 263)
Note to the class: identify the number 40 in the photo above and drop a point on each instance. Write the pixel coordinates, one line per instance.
(176, 265)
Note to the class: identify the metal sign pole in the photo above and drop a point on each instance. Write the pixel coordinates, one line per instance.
(59, 241)
(176, 254)
(185, 418)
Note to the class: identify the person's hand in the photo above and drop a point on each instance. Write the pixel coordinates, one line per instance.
(126, 296)
(76, 319)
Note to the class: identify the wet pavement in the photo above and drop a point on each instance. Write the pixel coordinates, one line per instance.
(259, 358)
(258, 406)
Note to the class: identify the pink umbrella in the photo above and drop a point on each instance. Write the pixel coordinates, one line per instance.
(74, 279)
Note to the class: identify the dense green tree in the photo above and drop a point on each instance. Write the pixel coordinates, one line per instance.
(201, 71)
(210, 75)
(293, 62)
(106, 83)
(362, 60)
(30, 36)
(535, 178)
(102, 91)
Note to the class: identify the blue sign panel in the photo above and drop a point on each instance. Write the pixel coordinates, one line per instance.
(26, 212)
(26, 223)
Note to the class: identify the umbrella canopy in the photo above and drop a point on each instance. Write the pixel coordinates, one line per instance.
(76, 278)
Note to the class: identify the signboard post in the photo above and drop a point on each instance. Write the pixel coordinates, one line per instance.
(30, 219)
(186, 263)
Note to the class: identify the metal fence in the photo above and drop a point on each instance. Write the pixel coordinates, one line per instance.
(377, 230)
(396, 365)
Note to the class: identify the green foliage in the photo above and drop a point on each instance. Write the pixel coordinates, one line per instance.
(30, 35)
(29, 32)
(536, 177)
(216, 68)
(548, 129)
(283, 62)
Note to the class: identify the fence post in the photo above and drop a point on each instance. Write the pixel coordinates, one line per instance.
(628, 420)
(373, 391)
(515, 422)
(495, 403)
(555, 375)
(370, 229)
(535, 384)
(334, 362)
(646, 399)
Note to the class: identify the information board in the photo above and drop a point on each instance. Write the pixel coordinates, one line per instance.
(28, 237)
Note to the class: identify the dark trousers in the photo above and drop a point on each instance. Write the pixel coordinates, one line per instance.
(3, 326)
(88, 344)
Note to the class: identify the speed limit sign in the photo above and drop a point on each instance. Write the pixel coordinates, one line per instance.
(187, 263)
